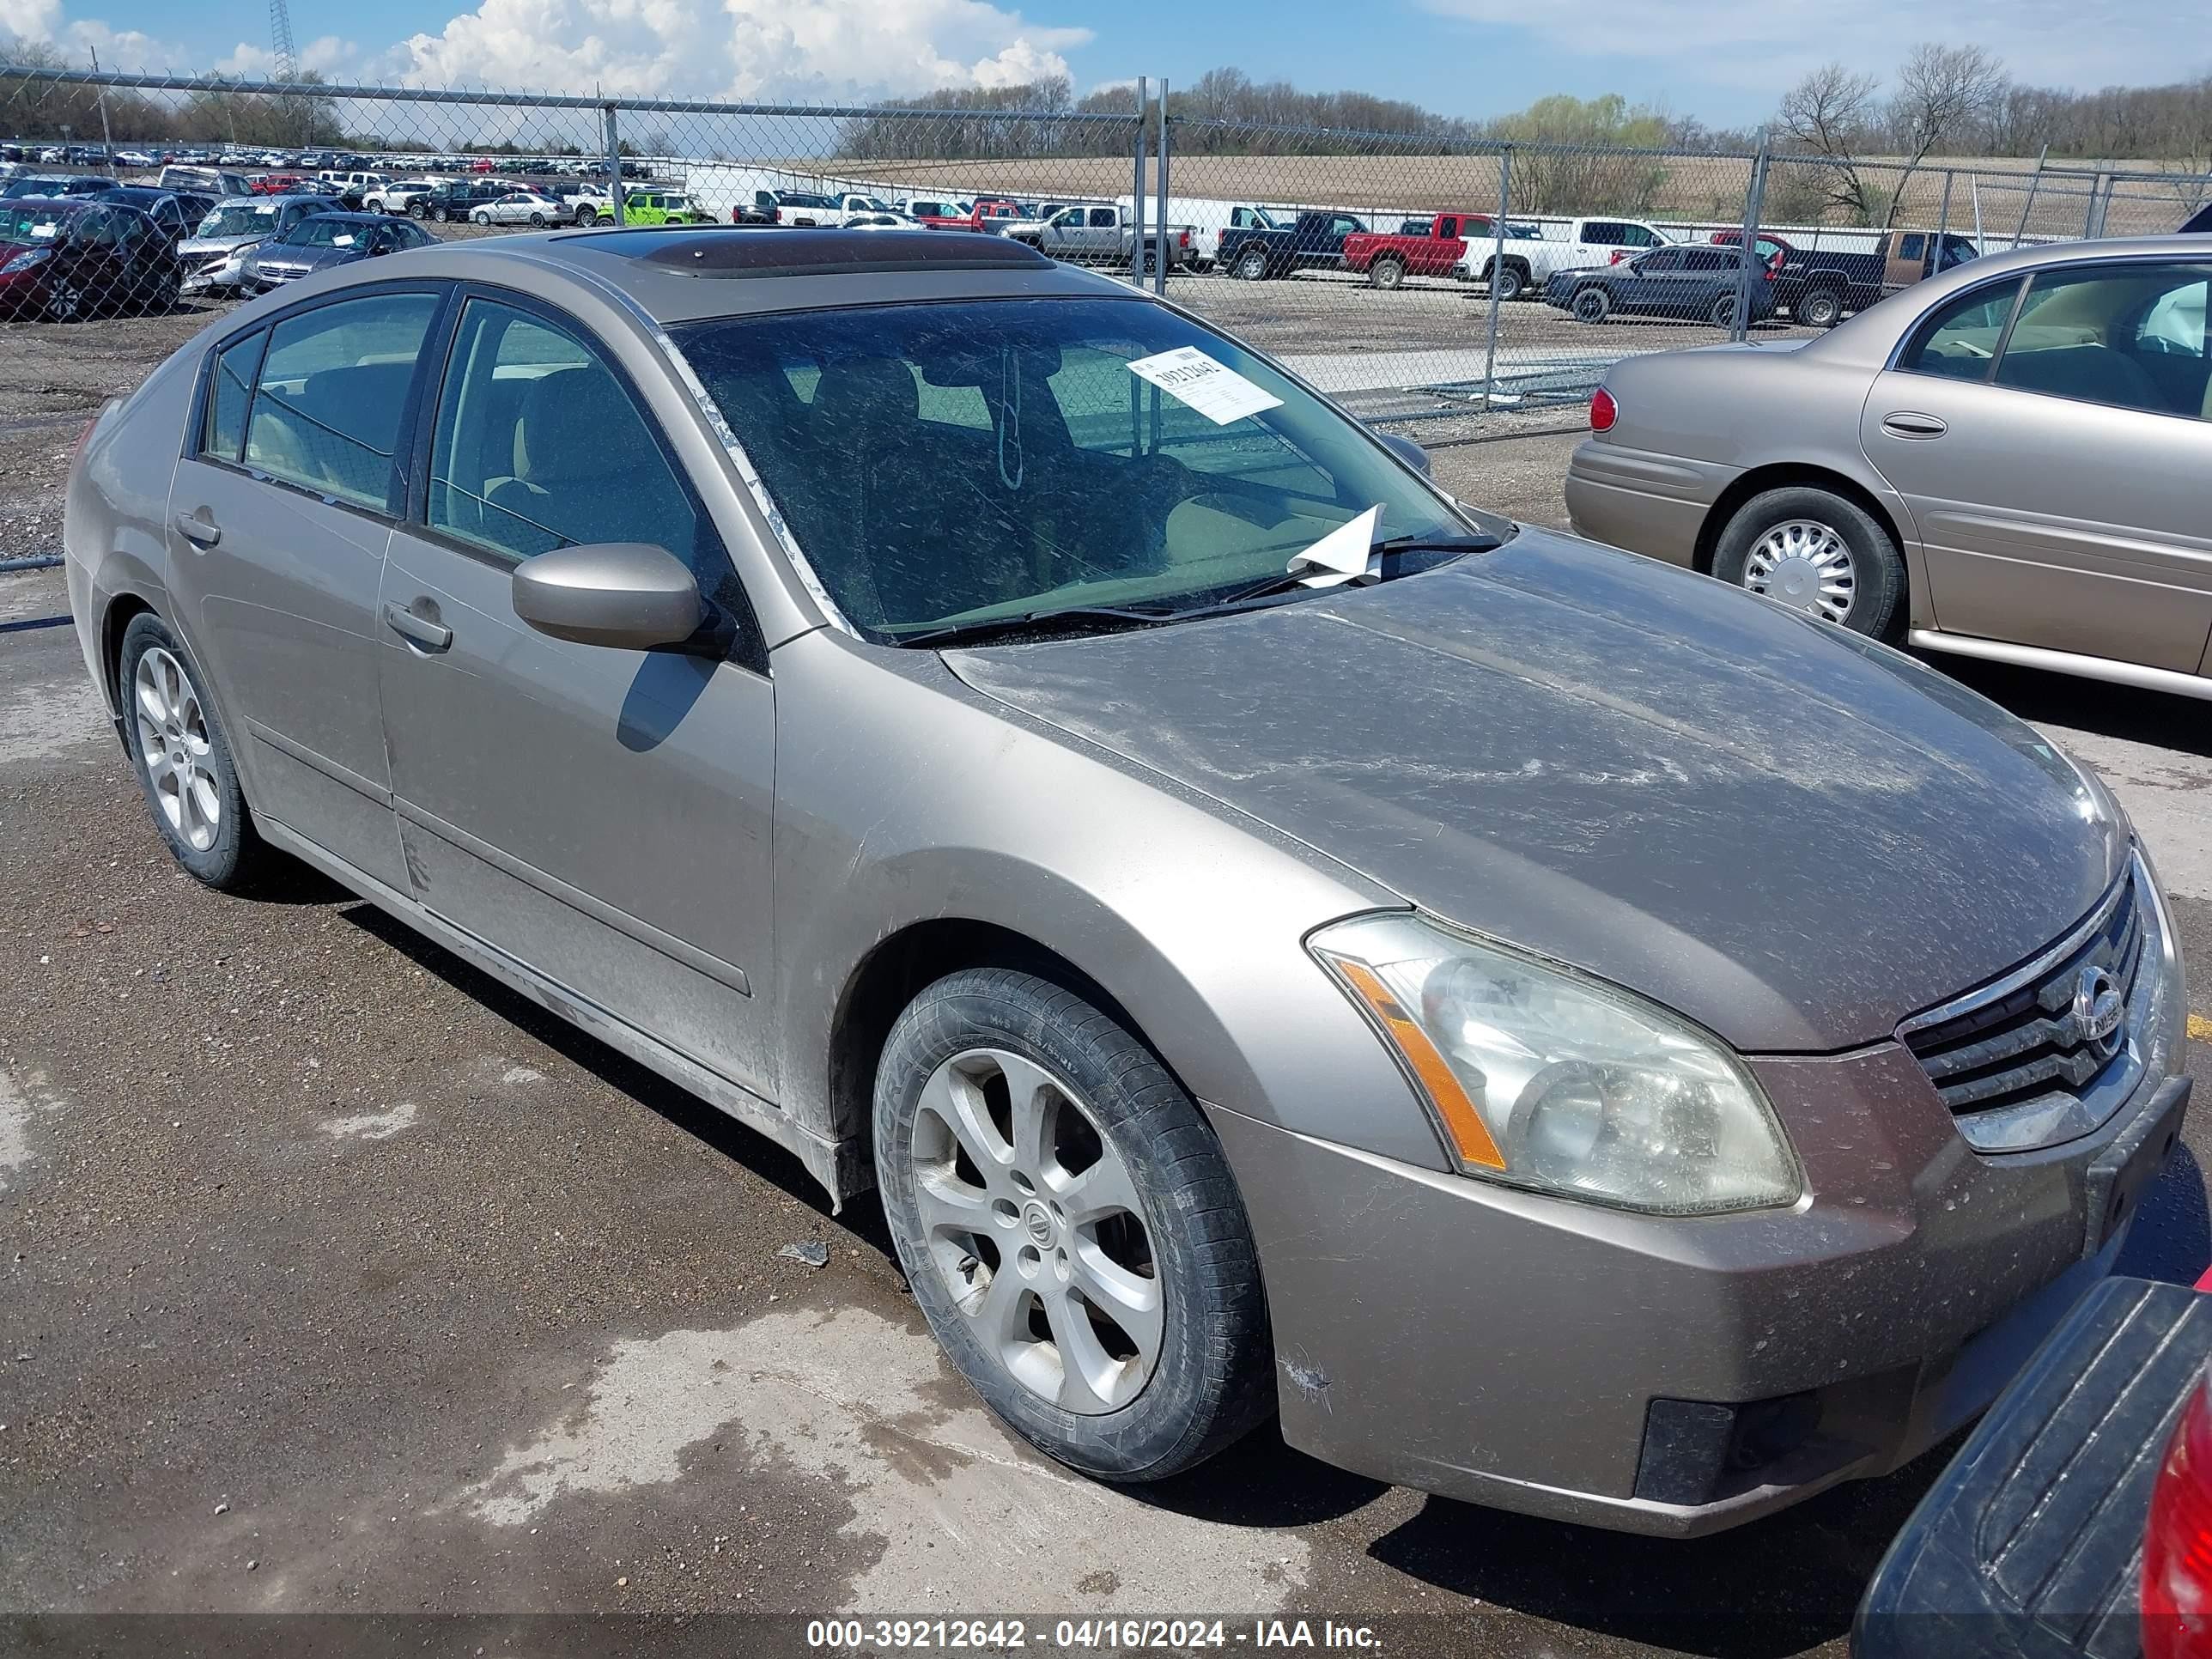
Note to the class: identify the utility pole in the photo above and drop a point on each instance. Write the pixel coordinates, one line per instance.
(106, 143)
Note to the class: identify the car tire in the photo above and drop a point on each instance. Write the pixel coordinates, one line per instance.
(1386, 273)
(1722, 312)
(1820, 308)
(184, 766)
(1592, 305)
(605, 217)
(1251, 265)
(415, 210)
(538, 221)
(1170, 1248)
(1828, 532)
(484, 219)
(585, 216)
(1510, 281)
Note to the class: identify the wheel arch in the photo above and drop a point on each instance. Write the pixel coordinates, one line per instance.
(1783, 475)
(901, 965)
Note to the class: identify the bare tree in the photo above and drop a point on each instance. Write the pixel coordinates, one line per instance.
(1830, 114)
(1943, 93)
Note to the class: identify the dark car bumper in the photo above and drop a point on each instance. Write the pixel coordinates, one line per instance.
(1679, 1376)
(2027, 1545)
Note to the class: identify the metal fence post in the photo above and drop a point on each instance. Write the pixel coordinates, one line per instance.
(1137, 191)
(1160, 231)
(2089, 213)
(1496, 264)
(2028, 206)
(1754, 201)
(614, 167)
(1943, 216)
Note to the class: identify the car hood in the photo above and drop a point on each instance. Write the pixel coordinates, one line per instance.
(1791, 834)
(220, 244)
(302, 259)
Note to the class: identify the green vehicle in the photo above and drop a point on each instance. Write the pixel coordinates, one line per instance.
(657, 207)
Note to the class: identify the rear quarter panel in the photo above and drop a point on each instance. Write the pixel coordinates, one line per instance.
(115, 514)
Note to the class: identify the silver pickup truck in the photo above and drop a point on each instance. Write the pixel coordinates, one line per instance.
(1101, 234)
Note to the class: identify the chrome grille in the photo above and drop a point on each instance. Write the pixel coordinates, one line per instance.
(2016, 1060)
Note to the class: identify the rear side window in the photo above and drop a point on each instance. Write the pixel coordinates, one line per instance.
(1102, 218)
(1959, 342)
(538, 445)
(332, 388)
(1708, 259)
(230, 388)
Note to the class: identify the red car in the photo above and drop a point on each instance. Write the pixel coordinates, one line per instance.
(945, 213)
(66, 260)
(274, 183)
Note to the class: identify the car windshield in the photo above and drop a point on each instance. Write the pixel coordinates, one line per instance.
(954, 465)
(242, 219)
(39, 223)
(325, 231)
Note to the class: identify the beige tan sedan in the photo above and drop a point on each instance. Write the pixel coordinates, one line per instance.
(2012, 460)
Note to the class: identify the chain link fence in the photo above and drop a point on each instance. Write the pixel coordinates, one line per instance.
(1412, 278)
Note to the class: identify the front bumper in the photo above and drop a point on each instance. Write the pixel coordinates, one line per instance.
(1565, 1360)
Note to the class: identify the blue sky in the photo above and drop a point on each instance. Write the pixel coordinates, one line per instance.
(1724, 61)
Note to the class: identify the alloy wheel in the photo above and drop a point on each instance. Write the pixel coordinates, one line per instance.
(64, 302)
(1805, 565)
(173, 743)
(1034, 1224)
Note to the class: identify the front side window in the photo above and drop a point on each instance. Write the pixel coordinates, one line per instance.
(331, 392)
(961, 463)
(538, 445)
(2086, 333)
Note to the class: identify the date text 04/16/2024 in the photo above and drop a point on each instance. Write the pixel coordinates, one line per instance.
(1008, 1635)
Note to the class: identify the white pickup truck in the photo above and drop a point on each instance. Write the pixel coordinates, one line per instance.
(1101, 234)
(1564, 244)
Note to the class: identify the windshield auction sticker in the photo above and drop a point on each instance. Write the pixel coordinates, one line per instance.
(1214, 390)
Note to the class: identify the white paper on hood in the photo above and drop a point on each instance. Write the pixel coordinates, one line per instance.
(1341, 555)
(1213, 389)
(42, 232)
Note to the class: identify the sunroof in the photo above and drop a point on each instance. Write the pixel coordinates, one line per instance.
(771, 250)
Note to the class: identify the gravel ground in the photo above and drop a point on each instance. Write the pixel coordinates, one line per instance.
(340, 1281)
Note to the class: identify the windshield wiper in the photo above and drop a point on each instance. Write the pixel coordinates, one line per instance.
(1092, 617)
(1291, 581)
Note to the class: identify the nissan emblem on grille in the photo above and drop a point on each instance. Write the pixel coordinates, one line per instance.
(2099, 1010)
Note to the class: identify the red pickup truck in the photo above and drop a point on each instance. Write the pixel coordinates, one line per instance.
(1419, 247)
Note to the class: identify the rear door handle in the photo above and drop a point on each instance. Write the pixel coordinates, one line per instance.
(198, 531)
(1909, 423)
(435, 637)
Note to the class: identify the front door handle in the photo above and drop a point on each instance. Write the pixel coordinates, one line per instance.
(435, 636)
(1911, 423)
(198, 529)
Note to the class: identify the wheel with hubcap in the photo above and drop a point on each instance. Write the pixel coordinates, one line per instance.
(1593, 305)
(1252, 265)
(1069, 1227)
(1819, 553)
(182, 758)
(538, 221)
(1509, 281)
(483, 218)
(1386, 273)
(1822, 307)
(1722, 314)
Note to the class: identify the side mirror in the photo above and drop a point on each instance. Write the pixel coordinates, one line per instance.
(626, 595)
(1406, 451)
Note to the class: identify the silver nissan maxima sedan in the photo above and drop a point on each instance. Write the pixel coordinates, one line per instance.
(1566, 1033)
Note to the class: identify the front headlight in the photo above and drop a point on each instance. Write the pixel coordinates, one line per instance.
(27, 258)
(1541, 1078)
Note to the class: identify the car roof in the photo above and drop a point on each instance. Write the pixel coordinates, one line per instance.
(683, 274)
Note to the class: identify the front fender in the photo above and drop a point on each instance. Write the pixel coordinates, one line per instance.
(905, 797)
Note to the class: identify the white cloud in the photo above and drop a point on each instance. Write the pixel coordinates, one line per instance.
(1768, 43)
(743, 49)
